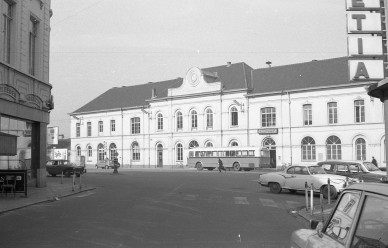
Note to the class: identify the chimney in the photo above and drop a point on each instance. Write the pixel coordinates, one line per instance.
(228, 64)
(153, 93)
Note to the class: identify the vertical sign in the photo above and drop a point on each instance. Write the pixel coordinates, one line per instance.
(365, 43)
(52, 135)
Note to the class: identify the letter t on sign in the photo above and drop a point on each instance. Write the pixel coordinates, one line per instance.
(359, 17)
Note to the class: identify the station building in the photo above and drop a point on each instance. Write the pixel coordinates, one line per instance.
(303, 113)
(25, 91)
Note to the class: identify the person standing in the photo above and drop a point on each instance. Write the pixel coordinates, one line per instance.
(374, 161)
(221, 165)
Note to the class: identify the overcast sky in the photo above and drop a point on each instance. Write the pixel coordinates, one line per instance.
(100, 44)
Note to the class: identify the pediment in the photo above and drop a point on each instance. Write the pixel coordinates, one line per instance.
(197, 81)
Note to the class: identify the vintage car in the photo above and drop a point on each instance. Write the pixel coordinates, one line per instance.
(106, 164)
(297, 177)
(362, 170)
(359, 219)
(57, 167)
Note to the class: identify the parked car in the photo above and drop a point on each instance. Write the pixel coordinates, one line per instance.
(362, 170)
(106, 164)
(57, 167)
(359, 219)
(295, 178)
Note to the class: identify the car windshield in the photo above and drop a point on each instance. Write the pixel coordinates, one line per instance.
(316, 170)
(371, 167)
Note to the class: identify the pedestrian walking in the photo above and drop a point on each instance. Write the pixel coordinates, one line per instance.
(221, 165)
(374, 161)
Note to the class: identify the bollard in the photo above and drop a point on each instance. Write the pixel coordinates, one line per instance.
(312, 199)
(306, 195)
(321, 203)
(80, 181)
(72, 187)
(328, 191)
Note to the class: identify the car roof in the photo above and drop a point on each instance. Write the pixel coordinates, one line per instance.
(379, 188)
(342, 161)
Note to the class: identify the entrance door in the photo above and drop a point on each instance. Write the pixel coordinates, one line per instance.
(271, 145)
(159, 156)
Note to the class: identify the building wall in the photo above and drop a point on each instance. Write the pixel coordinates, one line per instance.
(26, 95)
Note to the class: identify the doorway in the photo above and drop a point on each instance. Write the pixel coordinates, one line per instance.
(159, 155)
(270, 144)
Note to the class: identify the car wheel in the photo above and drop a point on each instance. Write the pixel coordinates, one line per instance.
(236, 166)
(275, 188)
(199, 166)
(325, 193)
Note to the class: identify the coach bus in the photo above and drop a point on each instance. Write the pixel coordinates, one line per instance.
(235, 157)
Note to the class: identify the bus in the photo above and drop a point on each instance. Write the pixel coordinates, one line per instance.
(235, 157)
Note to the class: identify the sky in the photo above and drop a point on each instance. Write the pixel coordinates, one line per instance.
(96, 45)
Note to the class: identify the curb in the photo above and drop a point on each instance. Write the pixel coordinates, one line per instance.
(47, 200)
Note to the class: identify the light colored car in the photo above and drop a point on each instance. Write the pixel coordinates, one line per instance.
(106, 164)
(295, 178)
(359, 219)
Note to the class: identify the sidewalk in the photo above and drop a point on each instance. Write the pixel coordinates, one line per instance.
(54, 191)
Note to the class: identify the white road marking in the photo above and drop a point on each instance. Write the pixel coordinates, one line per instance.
(190, 197)
(268, 203)
(241, 200)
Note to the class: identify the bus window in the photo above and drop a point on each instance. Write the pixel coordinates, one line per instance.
(232, 153)
(191, 154)
(215, 154)
(209, 154)
(222, 154)
(242, 153)
(198, 154)
(227, 153)
(251, 153)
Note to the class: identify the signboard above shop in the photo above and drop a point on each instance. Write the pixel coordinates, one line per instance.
(365, 42)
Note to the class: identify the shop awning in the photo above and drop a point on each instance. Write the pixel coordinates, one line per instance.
(8, 144)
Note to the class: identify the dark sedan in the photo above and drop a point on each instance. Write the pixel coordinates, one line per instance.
(57, 167)
(363, 170)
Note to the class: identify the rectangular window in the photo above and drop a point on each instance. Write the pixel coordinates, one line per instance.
(307, 115)
(359, 111)
(32, 44)
(8, 14)
(112, 125)
(135, 125)
(89, 129)
(100, 127)
(268, 117)
(78, 129)
(332, 112)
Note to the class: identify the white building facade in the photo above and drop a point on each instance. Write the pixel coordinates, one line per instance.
(303, 113)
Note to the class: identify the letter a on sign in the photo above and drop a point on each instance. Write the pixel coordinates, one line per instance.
(361, 71)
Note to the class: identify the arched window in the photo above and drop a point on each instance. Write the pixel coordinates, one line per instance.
(112, 151)
(308, 149)
(360, 149)
(135, 151)
(194, 120)
(333, 148)
(233, 116)
(179, 152)
(90, 153)
(100, 152)
(160, 121)
(179, 120)
(78, 151)
(209, 144)
(193, 144)
(209, 118)
(233, 143)
(269, 143)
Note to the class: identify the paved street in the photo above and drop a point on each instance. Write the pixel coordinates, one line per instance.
(155, 208)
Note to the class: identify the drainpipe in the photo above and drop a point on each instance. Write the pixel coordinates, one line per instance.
(289, 120)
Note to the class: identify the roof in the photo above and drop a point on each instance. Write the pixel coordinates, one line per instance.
(379, 188)
(312, 74)
(232, 76)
